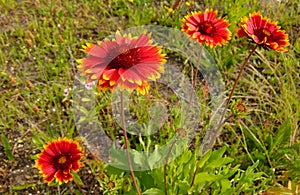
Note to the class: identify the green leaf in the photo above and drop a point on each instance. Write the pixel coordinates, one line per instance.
(84, 110)
(282, 135)
(231, 171)
(139, 158)
(60, 14)
(218, 163)
(154, 157)
(204, 158)
(118, 157)
(113, 170)
(77, 178)
(203, 177)
(154, 191)
(186, 157)
(216, 159)
(7, 149)
(229, 191)
(188, 163)
(37, 141)
(82, 119)
(86, 100)
(225, 185)
(22, 187)
(146, 178)
(247, 178)
(70, 132)
(253, 137)
(49, 129)
(217, 154)
(39, 136)
(251, 168)
(183, 187)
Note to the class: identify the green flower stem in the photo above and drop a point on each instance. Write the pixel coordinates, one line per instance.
(126, 145)
(197, 69)
(194, 84)
(220, 124)
(58, 189)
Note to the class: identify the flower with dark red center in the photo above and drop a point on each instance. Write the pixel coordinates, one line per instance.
(207, 28)
(263, 32)
(125, 62)
(57, 160)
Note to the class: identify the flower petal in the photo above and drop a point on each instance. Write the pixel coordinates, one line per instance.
(263, 32)
(58, 158)
(207, 28)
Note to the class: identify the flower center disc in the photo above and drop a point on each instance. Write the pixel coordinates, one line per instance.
(62, 160)
(266, 32)
(124, 60)
(262, 34)
(205, 27)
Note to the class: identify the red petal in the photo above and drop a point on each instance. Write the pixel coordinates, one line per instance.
(49, 178)
(110, 74)
(48, 170)
(98, 51)
(91, 61)
(63, 175)
(141, 41)
(131, 76)
(51, 150)
(75, 166)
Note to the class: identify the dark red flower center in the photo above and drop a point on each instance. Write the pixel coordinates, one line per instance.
(205, 28)
(63, 161)
(262, 34)
(127, 59)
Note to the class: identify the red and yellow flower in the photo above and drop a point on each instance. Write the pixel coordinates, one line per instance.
(207, 28)
(58, 158)
(263, 32)
(125, 62)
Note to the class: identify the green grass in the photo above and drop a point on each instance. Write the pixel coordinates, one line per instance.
(40, 41)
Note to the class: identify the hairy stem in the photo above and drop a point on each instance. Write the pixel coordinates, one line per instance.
(194, 85)
(220, 124)
(194, 175)
(126, 145)
(58, 189)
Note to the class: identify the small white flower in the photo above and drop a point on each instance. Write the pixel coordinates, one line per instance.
(90, 85)
(67, 91)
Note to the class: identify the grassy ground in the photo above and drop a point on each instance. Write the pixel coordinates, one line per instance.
(40, 41)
